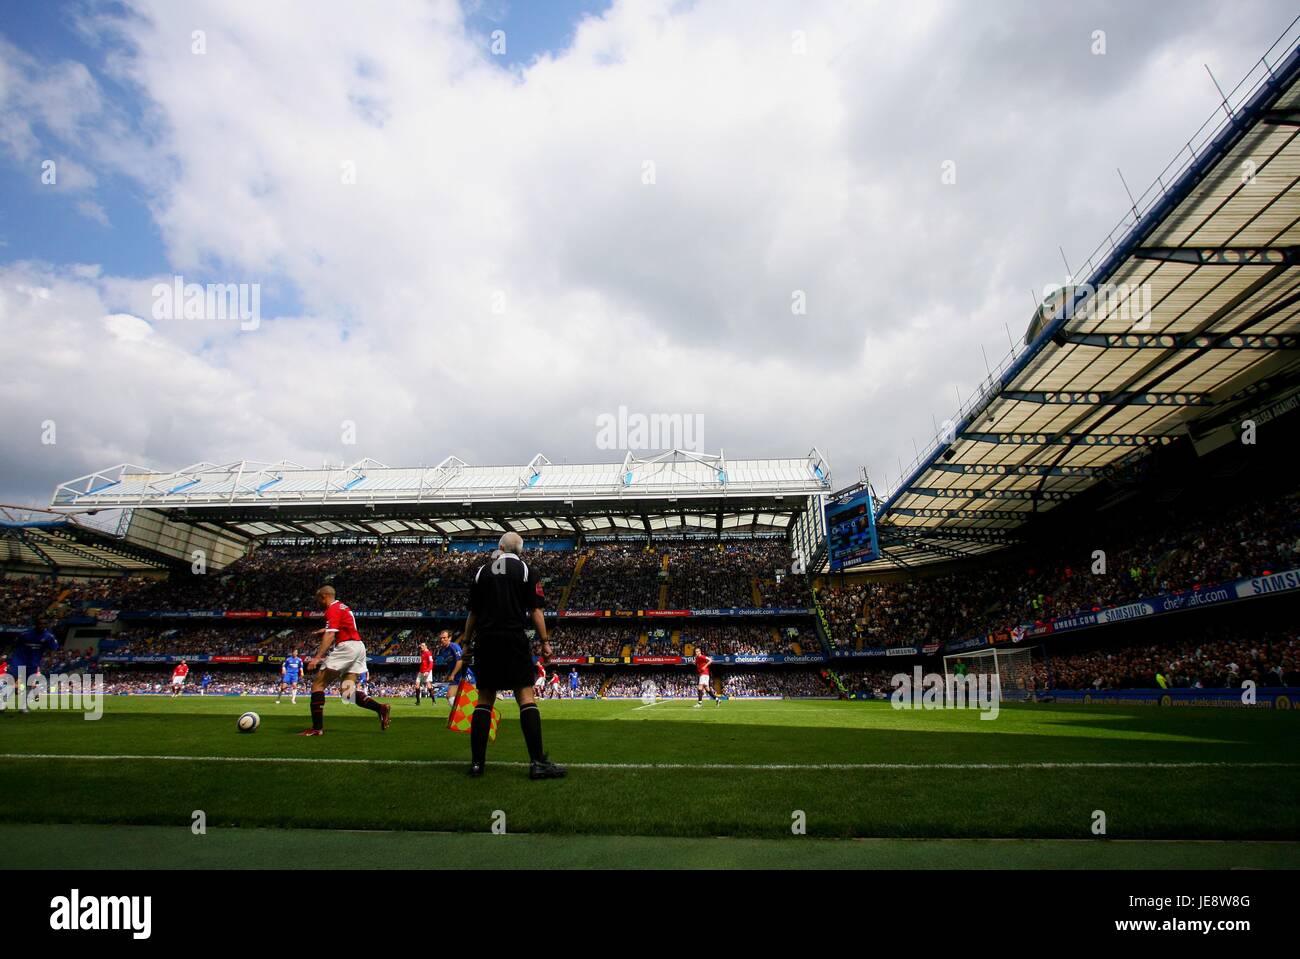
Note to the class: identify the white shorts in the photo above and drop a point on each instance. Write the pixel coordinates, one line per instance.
(539, 684)
(349, 657)
(704, 680)
(178, 680)
(424, 679)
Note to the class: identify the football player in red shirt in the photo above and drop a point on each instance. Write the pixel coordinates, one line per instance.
(703, 684)
(424, 678)
(178, 678)
(346, 659)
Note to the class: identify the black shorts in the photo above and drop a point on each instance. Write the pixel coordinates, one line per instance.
(503, 661)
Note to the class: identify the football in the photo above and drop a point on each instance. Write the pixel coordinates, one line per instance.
(249, 722)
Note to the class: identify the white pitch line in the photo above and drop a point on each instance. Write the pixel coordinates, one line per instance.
(738, 767)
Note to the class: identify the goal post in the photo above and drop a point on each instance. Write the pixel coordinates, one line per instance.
(1014, 668)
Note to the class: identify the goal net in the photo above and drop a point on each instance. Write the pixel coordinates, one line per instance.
(1014, 669)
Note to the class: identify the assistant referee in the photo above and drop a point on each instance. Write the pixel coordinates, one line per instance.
(503, 601)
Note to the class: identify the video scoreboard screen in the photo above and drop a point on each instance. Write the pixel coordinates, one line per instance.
(851, 531)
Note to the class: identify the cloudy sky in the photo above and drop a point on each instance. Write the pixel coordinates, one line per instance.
(476, 227)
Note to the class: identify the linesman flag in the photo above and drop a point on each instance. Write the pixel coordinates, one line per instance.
(466, 700)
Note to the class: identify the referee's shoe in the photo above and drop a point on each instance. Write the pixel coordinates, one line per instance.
(545, 769)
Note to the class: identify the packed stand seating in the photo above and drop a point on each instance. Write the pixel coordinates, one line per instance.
(139, 682)
(773, 683)
(747, 639)
(591, 640)
(720, 575)
(395, 683)
(445, 581)
(21, 599)
(212, 641)
(1220, 659)
(366, 576)
(286, 577)
(790, 592)
(681, 684)
(618, 576)
(1163, 554)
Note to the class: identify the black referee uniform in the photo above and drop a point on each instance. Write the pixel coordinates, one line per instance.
(502, 602)
(502, 599)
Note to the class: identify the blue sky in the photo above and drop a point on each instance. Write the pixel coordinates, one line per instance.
(38, 223)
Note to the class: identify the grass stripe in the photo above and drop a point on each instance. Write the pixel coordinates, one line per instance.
(756, 767)
(174, 847)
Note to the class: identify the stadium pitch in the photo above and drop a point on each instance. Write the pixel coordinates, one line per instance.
(644, 778)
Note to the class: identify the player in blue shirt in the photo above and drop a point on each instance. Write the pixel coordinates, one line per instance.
(574, 682)
(204, 683)
(452, 657)
(290, 675)
(29, 649)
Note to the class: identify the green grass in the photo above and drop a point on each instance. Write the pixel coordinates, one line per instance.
(176, 847)
(412, 777)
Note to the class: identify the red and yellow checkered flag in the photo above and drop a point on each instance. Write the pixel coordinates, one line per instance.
(466, 700)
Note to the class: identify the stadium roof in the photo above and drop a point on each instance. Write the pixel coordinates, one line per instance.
(41, 541)
(1189, 320)
(670, 491)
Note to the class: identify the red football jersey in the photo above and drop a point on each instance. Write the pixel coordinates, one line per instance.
(426, 661)
(181, 670)
(701, 664)
(541, 670)
(339, 618)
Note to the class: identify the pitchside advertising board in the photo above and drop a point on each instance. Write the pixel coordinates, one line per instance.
(851, 531)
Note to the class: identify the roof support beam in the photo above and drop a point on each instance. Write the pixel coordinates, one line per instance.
(994, 469)
(1011, 514)
(940, 549)
(1222, 255)
(43, 556)
(1187, 341)
(1069, 439)
(68, 547)
(1281, 118)
(911, 535)
(1028, 496)
(1120, 398)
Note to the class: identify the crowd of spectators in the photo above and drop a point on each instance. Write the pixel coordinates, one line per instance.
(1159, 555)
(23, 598)
(747, 639)
(592, 640)
(769, 682)
(213, 641)
(283, 577)
(1216, 660)
(619, 576)
(693, 575)
(681, 684)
